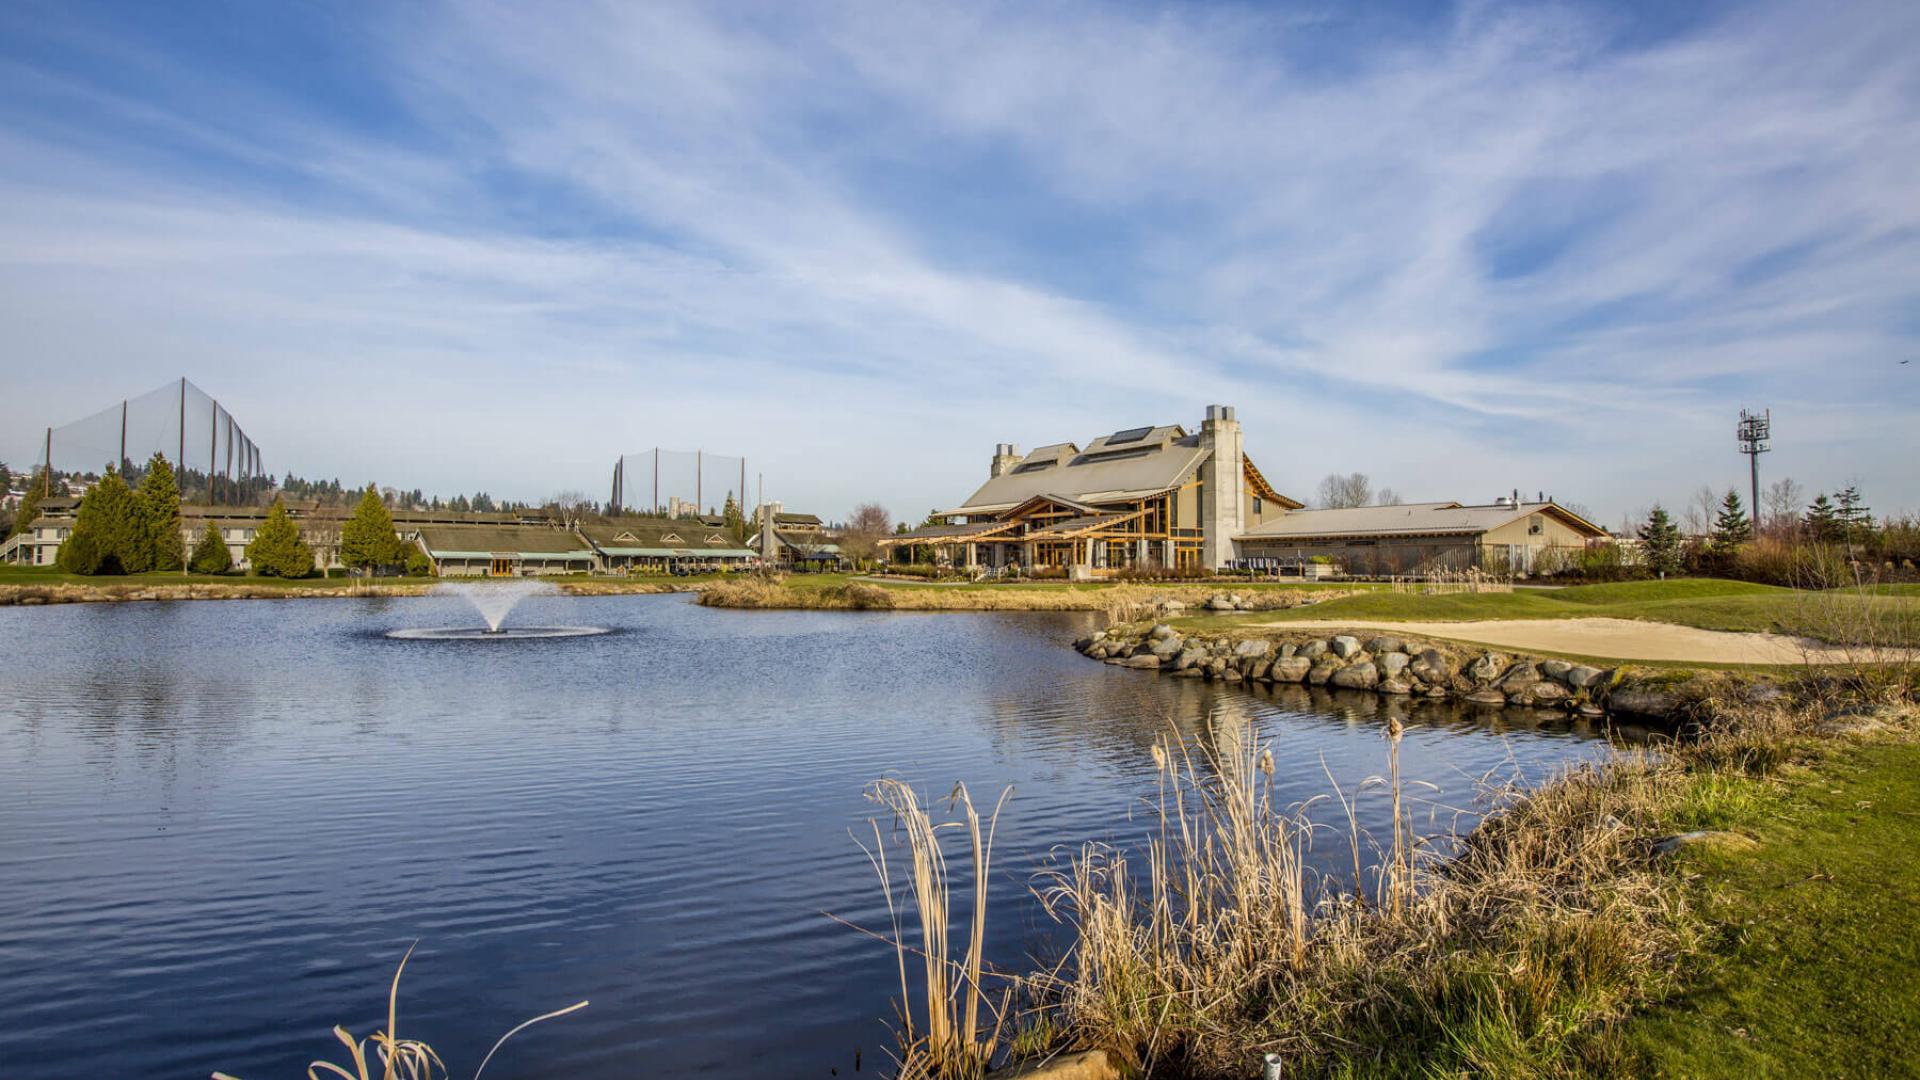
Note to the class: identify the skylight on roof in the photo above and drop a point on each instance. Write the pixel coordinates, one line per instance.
(1132, 434)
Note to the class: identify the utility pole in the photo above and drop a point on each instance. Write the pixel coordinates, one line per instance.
(46, 475)
(1755, 431)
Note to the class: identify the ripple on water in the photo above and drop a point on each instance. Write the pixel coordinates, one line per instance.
(221, 824)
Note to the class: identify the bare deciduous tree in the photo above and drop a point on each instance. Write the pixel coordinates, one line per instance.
(1783, 499)
(1701, 510)
(1387, 497)
(1339, 492)
(860, 538)
(570, 507)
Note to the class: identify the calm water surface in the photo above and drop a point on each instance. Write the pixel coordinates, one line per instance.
(222, 823)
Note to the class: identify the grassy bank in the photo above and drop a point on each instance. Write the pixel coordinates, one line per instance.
(1707, 604)
(49, 585)
(837, 592)
(1814, 965)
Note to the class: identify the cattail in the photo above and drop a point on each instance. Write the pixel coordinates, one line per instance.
(1266, 762)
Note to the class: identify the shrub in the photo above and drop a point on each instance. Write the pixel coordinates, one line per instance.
(418, 565)
(80, 555)
(277, 550)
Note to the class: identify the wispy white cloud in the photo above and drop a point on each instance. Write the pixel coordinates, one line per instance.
(1508, 247)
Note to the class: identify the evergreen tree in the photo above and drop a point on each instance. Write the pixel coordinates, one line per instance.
(6, 477)
(1856, 521)
(159, 498)
(367, 540)
(210, 554)
(1731, 528)
(1823, 521)
(1660, 539)
(277, 550)
(736, 521)
(108, 535)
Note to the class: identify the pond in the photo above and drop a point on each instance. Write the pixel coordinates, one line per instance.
(222, 823)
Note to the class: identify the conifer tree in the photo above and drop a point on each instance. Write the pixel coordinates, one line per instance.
(210, 554)
(1731, 528)
(159, 499)
(736, 521)
(1855, 519)
(367, 540)
(108, 536)
(1660, 538)
(277, 550)
(1823, 521)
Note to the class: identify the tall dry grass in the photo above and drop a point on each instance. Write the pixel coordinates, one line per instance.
(1213, 946)
(950, 1038)
(1121, 603)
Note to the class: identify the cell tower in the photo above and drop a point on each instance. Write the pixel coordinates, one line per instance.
(1756, 430)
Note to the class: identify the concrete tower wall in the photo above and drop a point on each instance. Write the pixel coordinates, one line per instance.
(1223, 479)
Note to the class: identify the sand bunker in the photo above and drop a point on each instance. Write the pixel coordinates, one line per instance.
(1623, 639)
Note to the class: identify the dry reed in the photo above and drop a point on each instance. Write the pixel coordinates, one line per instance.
(951, 1040)
(401, 1059)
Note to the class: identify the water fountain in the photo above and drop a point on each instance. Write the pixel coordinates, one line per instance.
(494, 601)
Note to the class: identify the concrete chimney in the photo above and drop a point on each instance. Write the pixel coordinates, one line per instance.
(1223, 484)
(769, 544)
(1005, 457)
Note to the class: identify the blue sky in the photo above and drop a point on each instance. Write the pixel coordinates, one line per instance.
(1462, 248)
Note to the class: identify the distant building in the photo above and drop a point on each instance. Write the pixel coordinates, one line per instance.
(794, 541)
(1506, 536)
(466, 550)
(662, 545)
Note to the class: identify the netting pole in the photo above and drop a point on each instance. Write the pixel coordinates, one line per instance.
(699, 496)
(180, 459)
(123, 437)
(213, 448)
(46, 475)
(228, 485)
(743, 489)
(656, 480)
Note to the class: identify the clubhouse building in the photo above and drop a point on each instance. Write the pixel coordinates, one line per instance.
(1165, 497)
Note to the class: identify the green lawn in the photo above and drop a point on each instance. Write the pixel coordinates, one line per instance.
(1816, 971)
(1701, 602)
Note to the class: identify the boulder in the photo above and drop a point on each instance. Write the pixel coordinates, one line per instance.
(1167, 647)
(1726, 841)
(1314, 650)
(1172, 607)
(1289, 649)
(1386, 645)
(1143, 660)
(1436, 691)
(1395, 686)
(1391, 663)
(1098, 652)
(1555, 669)
(1489, 667)
(1290, 669)
(1191, 673)
(1253, 647)
(1643, 700)
(1260, 670)
(1191, 656)
(1091, 1065)
(1216, 665)
(1162, 631)
(1433, 666)
(1588, 708)
(1519, 677)
(1544, 692)
(1219, 603)
(1231, 675)
(1345, 645)
(1361, 676)
(1486, 697)
(1323, 670)
(1582, 676)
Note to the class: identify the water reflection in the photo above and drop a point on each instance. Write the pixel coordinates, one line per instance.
(220, 824)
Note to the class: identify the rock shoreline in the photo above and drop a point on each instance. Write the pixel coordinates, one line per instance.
(1392, 665)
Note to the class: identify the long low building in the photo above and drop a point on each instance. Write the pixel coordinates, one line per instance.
(506, 550)
(1506, 536)
(660, 545)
